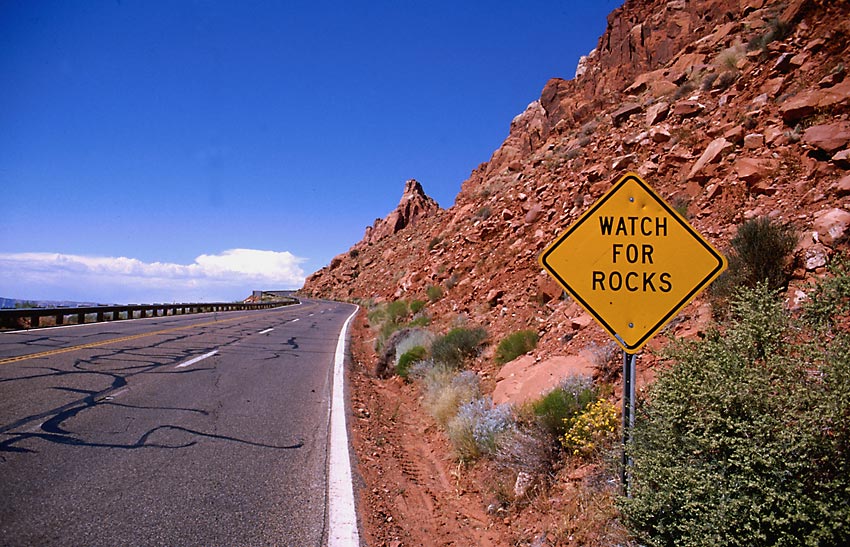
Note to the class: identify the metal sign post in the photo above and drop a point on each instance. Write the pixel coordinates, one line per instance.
(628, 415)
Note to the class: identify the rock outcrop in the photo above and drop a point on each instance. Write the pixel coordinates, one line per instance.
(414, 205)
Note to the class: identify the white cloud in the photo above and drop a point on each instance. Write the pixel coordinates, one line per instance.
(230, 275)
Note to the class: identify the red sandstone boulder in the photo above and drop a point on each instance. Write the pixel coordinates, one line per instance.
(828, 137)
(810, 101)
(831, 225)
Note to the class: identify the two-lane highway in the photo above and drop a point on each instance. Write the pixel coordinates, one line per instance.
(203, 430)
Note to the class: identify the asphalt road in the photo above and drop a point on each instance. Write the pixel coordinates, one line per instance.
(207, 430)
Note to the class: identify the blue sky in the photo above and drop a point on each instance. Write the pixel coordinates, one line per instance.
(186, 150)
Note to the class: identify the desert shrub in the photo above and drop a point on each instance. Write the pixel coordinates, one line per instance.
(436, 240)
(776, 30)
(388, 318)
(525, 448)
(417, 306)
(434, 292)
(591, 429)
(727, 60)
(572, 153)
(458, 345)
(680, 205)
(829, 300)
(683, 90)
(408, 358)
(745, 439)
(396, 311)
(726, 79)
(483, 213)
(516, 344)
(452, 281)
(445, 390)
(476, 428)
(708, 81)
(385, 331)
(376, 314)
(420, 321)
(761, 252)
(563, 403)
(589, 128)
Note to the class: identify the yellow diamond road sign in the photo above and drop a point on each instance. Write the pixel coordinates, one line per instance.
(632, 261)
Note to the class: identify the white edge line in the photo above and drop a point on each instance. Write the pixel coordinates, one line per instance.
(196, 359)
(342, 515)
(266, 331)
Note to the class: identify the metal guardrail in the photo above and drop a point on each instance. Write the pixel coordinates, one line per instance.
(25, 318)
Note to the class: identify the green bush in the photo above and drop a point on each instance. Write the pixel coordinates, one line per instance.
(745, 439)
(434, 292)
(516, 344)
(458, 345)
(397, 310)
(417, 306)
(408, 358)
(829, 300)
(421, 321)
(761, 252)
(554, 410)
(386, 319)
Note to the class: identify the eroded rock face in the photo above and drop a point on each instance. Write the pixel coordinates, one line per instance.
(770, 142)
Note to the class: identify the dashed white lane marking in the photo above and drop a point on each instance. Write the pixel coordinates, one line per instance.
(191, 362)
(342, 516)
(266, 331)
(296, 319)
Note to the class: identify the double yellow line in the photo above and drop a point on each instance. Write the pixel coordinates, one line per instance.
(69, 349)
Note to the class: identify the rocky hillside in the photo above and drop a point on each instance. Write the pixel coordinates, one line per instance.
(730, 109)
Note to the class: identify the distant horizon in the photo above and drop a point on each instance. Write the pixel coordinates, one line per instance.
(4, 302)
(153, 151)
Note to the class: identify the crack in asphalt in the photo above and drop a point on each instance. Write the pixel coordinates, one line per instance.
(142, 442)
(53, 429)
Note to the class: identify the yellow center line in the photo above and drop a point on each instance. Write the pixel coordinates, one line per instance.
(69, 349)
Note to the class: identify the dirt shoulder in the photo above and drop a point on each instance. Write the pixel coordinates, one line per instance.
(412, 491)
